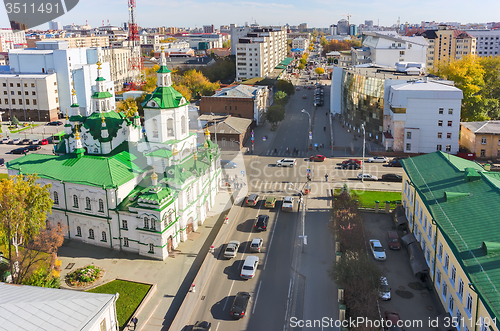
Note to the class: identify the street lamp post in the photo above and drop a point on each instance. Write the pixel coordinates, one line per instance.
(309, 115)
(303, 218)
(310, 136)
(363, 163)
(215, 124)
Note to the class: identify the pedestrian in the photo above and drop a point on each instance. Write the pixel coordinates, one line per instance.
(135, 320)
(326, 177)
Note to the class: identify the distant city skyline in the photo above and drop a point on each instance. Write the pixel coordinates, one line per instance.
(316, 13)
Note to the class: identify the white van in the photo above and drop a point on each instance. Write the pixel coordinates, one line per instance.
(286, 163)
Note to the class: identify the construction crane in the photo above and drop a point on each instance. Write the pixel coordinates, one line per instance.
(135, 62)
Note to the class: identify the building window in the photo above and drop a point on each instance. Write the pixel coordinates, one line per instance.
(483, 152)
(124, 224)
(170, 127)
(408, 135)
(441, 111)
(75, 201)
(408, 147)
(461, 288)
(18, 85)
(445, 290)
(448, 148)
(88, 205)
(151, 248)
(453, 274)
(153, 224)
(483, 141)
(450, 123)
(440, 251)
(451, 303)
(440, 135)
(27, 101)
(146, 223)
(78, 231)
(11, 85)
(448, 135)
(56, 198)
(183, 125)
(468, 305)
(32, 84)
(103, 236)
(438, 147)
(18, 92)
(33, 93)
(450, 111)
(438, 278)
(125, 241)
(440, 123)
(446, 262)
(101, 206)
(34, 101)
(13, 101)
(91, 234)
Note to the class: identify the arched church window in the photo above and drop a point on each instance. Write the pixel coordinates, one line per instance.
(155, 128)
(170, 127)
(183, 124)
(107, 104)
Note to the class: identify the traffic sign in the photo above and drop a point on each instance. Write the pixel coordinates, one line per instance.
(308, 171)
(310, 135)
(242, 172)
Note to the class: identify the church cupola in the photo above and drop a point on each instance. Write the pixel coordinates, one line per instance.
(75, 107)
(101, 99)
(163, 78)
(79, 150)
(104, 129)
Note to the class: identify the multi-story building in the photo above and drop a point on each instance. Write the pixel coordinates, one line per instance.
(302, 27)
(11, 40)
(259, 52)
(300, 42)
(343, 27)
(53, 25)
(29, 97)
(451, 206)
(73, 42)
(208, 28)
(204, 41)
(487, 42)
(481, 138)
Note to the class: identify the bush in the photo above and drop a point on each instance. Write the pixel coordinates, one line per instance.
(84, 276)
(42, 278)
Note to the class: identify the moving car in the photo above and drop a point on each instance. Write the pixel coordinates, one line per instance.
(252, 200)
(384, 289)
(261, 223)
(352, 165)
(202, 326)
(351, 161)
(393, 240)
(16, 141)
(240, 304)
(256, 245)
(297, 88)
(377, 250)
(391, 321)
(55, 123)
(249, 267)
(287, 204)
(228, 164)
(286, 163)
(392, 178)
(26, 141)
(270, 202)
(35, 141)
(304, 96)
(231, 249)
(378, 159)
(317, 158)
(20, 150)
(34, 147)
(367, 177)
(44, 142)
(395, 162)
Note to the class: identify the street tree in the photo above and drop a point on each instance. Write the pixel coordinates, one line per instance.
(323, 41)
(319, 71)
(275, 114)
(285, 86)
(15, 121)
(128, 106)
(24, 205)
(280, 98)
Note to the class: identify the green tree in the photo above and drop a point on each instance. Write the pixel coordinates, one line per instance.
(15, 121)
(128, 106)
(24, 205)
(315, 33)
(319, 71)
(150, 84)
(226, 44)
(323, 41)
(301, 66)
(280, 98)
(275, 114)
(285, 86)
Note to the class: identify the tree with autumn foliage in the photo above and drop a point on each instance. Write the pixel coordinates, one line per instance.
(340, 45)
(128, 106)
(24, 205)
(150, 78)
(193, 84)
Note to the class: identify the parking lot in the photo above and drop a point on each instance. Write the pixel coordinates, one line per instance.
(409, 297)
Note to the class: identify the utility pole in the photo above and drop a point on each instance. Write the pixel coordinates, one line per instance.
(363, 163)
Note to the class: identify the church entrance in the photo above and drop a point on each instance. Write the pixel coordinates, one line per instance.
(169, 244)
(190, 226)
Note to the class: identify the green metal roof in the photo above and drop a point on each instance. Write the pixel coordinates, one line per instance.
(163, 153)
(101, 95)
(111, 171)
(113, 120)
(99, 79)
(163, 70)
(286, 61)
(280, 67)
(466, 220)
(166, 97)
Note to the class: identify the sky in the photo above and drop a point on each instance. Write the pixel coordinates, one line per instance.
(316, 13)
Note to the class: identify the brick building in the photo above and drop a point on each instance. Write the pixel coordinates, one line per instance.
(232, 132)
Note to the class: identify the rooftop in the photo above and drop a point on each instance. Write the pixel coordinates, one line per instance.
(485, 127)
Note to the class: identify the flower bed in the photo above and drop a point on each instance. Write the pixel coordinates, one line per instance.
(84, 276)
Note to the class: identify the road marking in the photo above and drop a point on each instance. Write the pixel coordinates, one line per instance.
(217, 328)
(271, 240)
(228, 295)
(256, 297)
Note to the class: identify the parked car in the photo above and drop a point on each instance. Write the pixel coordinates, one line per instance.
(240, 304)
(5, 140)
(20, 150)
(231, 249)
(309, 87)
(384, 289)
(202, 326)
(378, 159)
(351, 161)
(44, 142)
(304, 96)
(16, 141)
(297, 88)
(287, 204)
(377, 250)
(367, 177)
(249, 267)
(317, 158)
(352, 165)
(392, 178)
(228, 164)
(393, 240)
(286, 163)
(270, 202)
(26, 141)
(34, 147)
(55, 123)
(393, 317)
(252, 200)
(395, 162)
(35, 141)
(256, 245)
(261, 223)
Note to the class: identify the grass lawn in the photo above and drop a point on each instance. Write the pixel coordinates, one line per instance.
(2, 176)
(367, 198)
(131, 296)
(24, 128)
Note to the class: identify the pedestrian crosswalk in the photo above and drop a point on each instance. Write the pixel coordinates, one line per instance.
(257, 185)
(284, 153)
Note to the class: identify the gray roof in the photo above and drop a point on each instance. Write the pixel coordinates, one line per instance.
(239, 91)
(38, 308)
(485, 127)
(235, 125)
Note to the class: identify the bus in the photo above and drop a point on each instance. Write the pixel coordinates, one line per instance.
(56, 138)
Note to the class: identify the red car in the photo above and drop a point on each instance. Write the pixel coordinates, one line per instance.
(44, 142)
(317, 158)
(391, 321)
(351, 161)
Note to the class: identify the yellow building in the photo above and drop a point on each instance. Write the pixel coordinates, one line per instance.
(74, 42)
(482, 138)
(452, 207)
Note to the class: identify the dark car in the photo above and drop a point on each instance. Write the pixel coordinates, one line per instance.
(34, 147)
(395, 163)
(240, 304)
(202, 326)
(392, 178)
(20, 150)
(317, 158)
(55, 123)
(352, 161)
(391, 321)
(261, 223)
(393, 240)
(2, 162)
(351, 165)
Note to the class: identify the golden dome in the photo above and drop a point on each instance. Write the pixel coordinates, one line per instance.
(77, 134)
(154, 176)
(174, 151)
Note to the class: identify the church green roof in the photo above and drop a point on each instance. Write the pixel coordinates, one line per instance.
(101, 95)
(163, 70)
(99, 79)
(163, 153)
(113, 120)
(166, 97)
(179, 173)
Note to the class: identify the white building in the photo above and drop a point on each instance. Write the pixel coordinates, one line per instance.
(114, 188)
(487, 42)
(214, 40)
(300, 43)
(40, 308)
(259, 52)
(11, 40)
(53, 25)
(29, 97)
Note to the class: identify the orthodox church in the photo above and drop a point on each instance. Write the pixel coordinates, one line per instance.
(115, 184)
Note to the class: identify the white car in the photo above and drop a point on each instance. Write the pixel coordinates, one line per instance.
(286, 163)
(378, 159)
(367, 177)
(256, 245)
(5, 140)
(249, 267)
(16, 141)
(231, 249)
(384, 289)
(287, 204)
(377, 250)
(35, 142)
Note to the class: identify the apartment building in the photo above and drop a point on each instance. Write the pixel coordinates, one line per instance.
(487, 42)
(259, 52)
(73, 42)
(451, 207)
(300, 42)
(11, 40)
(29, 97)
(481, 138)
